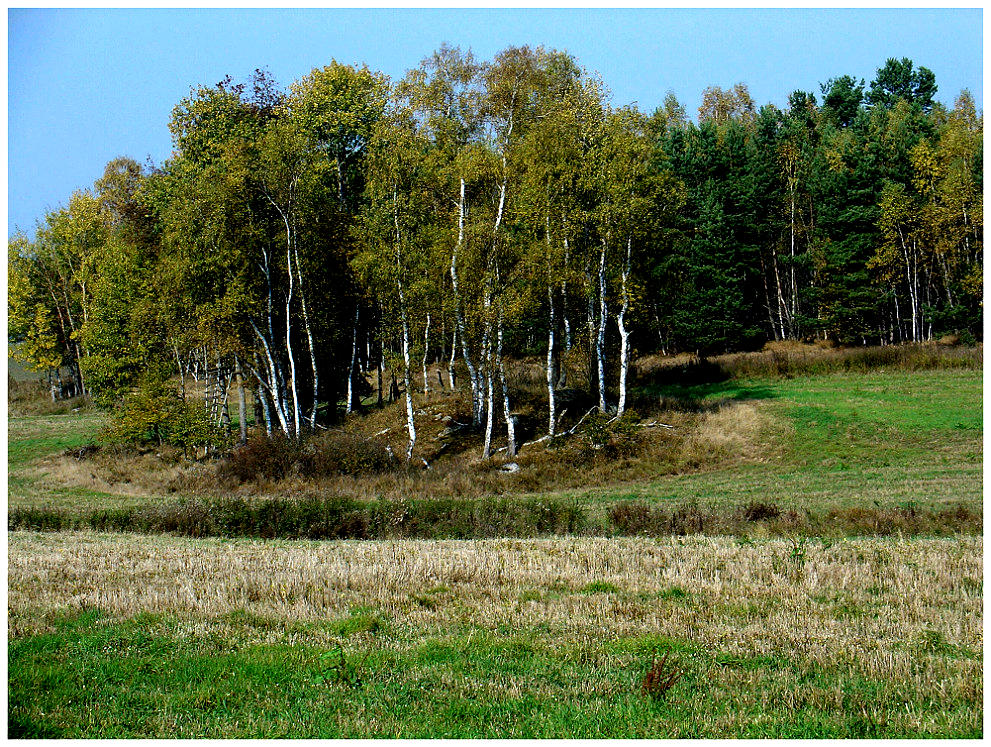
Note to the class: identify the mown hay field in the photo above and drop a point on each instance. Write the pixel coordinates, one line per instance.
(116, 635)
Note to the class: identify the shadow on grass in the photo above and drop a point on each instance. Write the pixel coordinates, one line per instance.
(697, 397)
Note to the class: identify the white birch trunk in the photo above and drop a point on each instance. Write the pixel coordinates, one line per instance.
(489, 401)
(410, 425)
(295, 422)
(600, 342)
(454, 352)
(426, 348)
(273, 382)
(782, 306)
(309, 341)
(349, 407)
(266, 413)
(507, 413)
(297, 413)
(473, 376)
(624, 335)
(794, 284)
(242, 405)
(564, 290)
(551, 402)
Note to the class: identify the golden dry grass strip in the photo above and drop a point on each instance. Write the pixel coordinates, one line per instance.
(870, 604)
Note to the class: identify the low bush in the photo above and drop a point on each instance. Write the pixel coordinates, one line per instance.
(272, 457)
(758, 511)
(320, 517)
(336, 453)
(277, 457)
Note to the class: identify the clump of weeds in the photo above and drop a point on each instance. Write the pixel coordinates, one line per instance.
(662, 675)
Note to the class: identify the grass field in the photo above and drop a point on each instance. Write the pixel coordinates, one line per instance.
(842, 439)
(156, 636)
(128, 635)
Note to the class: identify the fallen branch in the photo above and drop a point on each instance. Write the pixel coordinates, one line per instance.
(539, 440)
(582, 420)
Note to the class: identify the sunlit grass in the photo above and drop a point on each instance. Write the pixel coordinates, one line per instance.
(161, 636)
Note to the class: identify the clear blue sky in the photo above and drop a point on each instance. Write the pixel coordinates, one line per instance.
(88, 85)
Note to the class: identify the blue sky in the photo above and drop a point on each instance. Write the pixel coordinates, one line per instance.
(85, 86)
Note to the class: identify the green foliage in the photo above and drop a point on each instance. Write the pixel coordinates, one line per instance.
(156, 415)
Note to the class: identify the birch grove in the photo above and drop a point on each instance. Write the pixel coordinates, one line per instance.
(308, 253)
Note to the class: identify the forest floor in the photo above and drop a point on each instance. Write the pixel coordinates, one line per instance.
(821, 627)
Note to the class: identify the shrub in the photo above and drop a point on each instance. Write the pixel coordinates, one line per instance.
(758, 511)
(272, 457)
(690, 519)
(335, 453)
(276, 457)
(638, 519)
(320, 517)
(156, 415)
(39, 520)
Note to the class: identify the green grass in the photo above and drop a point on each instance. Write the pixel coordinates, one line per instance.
(146, 677)
(31, 438)
(886, 438)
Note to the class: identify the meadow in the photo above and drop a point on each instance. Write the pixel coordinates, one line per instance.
(801, 556)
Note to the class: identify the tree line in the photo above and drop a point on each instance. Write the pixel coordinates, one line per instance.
(300, 242)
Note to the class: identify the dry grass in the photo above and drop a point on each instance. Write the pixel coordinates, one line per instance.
(858, 637)
(698, 441)
(739, 432)
(859, 601)
(718, 431)
(792, 358)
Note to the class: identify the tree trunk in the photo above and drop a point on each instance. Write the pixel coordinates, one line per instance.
(426, 348)
(551, 403)
(487, 353)
(297, 413)
(309, 341)
(381, 368)
(624, 335)
(564, 288)
(592, 328)
(600, 342)
(242, 408)
(473, 375)
(266, 413)
(295, 421)
(782, 306)
(410, 425)
(349, 408)
(454, 352)
(507, 413)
